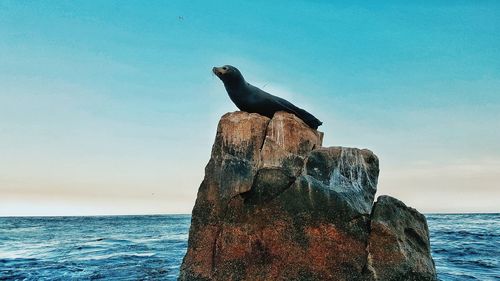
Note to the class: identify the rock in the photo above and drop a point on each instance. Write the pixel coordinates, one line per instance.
(399, 247)
(288, 141)
(275, 205)
(236, 152)
(350, 172)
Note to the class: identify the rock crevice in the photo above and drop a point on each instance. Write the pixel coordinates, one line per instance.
(276, 205)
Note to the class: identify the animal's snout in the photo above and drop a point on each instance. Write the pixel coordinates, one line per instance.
(216, 71)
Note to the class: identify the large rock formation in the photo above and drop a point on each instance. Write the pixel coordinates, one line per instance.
(275, 205)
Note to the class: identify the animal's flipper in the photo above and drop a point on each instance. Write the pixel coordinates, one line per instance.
(307, 117)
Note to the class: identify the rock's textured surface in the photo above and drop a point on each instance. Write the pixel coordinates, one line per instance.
(399, 247)
(275, 205)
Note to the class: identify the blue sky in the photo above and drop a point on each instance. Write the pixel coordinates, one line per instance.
(109, 107)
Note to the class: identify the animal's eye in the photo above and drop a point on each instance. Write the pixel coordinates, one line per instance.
(225, 68)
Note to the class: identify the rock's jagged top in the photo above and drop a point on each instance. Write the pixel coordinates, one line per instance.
(276, 205)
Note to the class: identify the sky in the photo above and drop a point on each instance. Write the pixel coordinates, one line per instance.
(110, 107)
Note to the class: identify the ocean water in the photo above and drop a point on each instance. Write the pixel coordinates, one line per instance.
(465, 247)
(93, 248)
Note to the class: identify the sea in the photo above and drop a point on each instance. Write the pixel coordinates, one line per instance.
(464, 247)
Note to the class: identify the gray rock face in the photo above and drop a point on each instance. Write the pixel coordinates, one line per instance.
(275, 205)
(350, 172)
(399, 247)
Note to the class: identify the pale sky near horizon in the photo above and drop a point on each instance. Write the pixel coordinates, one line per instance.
(109, 107)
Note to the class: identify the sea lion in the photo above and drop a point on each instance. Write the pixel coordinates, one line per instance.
(253, 100)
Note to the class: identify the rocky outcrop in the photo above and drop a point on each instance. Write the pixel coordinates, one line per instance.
(398, 247)
(276, 205)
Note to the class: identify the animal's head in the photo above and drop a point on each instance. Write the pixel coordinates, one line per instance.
(228, 74)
